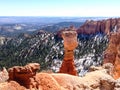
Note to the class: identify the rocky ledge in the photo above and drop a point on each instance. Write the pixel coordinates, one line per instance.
(27, 78)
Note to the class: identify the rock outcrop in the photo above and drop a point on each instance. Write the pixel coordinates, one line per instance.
(24, 75)
(70, 43)
(98, 78)
(103, 26)
(112, 53)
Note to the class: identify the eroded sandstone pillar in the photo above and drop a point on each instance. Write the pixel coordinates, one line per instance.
(70, 43)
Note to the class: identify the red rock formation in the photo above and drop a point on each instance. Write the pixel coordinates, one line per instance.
(112, 53)
(97, 79)
(89, 27)
(70, 43)
(105, 26)
(92, 27)
(24, 75)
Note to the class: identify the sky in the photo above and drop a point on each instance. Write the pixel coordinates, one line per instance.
(67, 8)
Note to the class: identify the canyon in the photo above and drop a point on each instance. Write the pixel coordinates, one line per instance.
(100, 77)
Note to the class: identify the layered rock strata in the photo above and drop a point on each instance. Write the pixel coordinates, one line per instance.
(70, 43)
(102, 26)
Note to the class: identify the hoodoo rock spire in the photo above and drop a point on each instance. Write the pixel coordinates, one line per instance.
(70, 43)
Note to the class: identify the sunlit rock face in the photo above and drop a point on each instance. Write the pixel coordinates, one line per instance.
(12, 85)
(117, 62)
(112, 53)
(70, 43)
(70, 39)
(103, 26)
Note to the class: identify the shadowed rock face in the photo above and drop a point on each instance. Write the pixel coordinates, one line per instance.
(70, 43)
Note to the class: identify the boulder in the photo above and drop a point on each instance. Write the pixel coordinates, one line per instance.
(24, 75)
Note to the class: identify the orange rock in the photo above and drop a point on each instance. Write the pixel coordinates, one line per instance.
(12, 85)
(112, 53)
(70, 43)
(92, 27)
(104, 26)
(24, 75)
(46, 82)
(117, 64)
(98, 79)
(89, 27)
(68, 67)
(107, 27)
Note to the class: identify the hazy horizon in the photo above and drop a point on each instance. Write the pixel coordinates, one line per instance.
(63, 16)
(60, 8)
